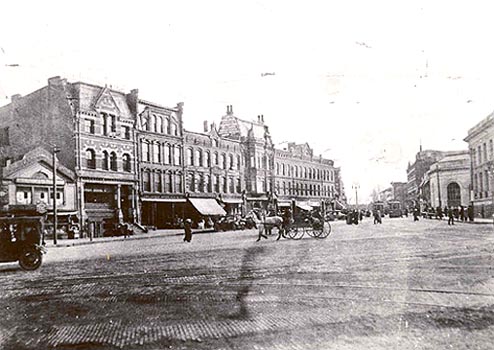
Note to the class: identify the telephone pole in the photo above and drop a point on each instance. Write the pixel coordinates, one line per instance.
(55, 151)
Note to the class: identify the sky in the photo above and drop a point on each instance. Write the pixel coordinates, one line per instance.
(364, 83)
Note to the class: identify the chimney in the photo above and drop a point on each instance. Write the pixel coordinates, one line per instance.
(54, 81)
(205, 126)
(15, 97)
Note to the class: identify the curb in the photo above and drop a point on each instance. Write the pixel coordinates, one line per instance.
(76, 242)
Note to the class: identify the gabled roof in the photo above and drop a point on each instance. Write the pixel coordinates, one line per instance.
(41, 156)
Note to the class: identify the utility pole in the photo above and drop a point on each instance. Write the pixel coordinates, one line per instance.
(55, 151)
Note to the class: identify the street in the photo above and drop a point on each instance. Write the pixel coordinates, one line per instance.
(399, 285)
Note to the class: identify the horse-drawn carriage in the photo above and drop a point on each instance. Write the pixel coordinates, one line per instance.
(313, 225)
(293, 227)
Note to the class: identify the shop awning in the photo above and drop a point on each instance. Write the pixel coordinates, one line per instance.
(164, 200)
(207, 206)
(232, 201)
(284, 204)
(304, 206)
(314, 204)
(252, 199)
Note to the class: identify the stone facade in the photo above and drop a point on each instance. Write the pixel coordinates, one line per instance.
(448, 181)
(480, 143)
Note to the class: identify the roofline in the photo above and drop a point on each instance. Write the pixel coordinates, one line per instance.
(153, 104)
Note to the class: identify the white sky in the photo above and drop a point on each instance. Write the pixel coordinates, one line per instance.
(363, 82)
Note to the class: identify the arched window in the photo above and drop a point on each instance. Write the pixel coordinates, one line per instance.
(144, 122)
(127, 166)
(167, 154)
(106, 161)
(231, 161)
(192, 182)
(90, 159)
(207, 155)
(200, 161)
(190, 156)
(224, 161)
(225, 184)
(113, 161)
(215, 159)
(239, 162)
(178, 182)
(159, 124)
(177, 154)
(166, 126)
(454, 195)
(152, 123)
(173, 129)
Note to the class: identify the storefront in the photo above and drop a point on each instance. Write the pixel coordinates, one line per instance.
(163, 212)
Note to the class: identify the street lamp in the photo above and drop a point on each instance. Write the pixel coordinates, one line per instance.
(356, 187)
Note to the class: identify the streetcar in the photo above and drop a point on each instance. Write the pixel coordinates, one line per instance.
(394, 209)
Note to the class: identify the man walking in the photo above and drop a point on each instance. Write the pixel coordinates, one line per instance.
(451, 217)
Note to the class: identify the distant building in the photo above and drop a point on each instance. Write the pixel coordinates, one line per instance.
(415, 173)
(399, 192)
(480, 143)
(447, 182)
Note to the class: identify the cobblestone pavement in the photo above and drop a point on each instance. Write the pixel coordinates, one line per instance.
(399, 285)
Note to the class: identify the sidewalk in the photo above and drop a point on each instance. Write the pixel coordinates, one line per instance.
(150, 234)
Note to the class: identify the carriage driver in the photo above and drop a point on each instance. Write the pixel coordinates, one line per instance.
(287, 219)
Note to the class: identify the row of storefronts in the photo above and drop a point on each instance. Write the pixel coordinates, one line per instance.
(132, 161)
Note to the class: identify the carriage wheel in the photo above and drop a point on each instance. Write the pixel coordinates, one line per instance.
(325, 230)
(311, 232)
(295, 233)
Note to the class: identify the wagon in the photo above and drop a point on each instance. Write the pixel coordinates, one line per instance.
(314, 227)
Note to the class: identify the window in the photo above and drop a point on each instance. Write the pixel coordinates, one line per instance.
(126, 132)
(168, 153)
(231, 186)
(127, 166)
(239, 186)
(90, 159)
(201, 183)
(157, 182)
(156, 153)
(173, 129)
(106, 161)
(199, 157)
(207, 183)
(490, 149)
(231, 161)
(225, 184)
(485, 151)
(159, 124)
(217, 183)
(104, 122)
(190, 156)
(152, 123)
(145, 151)
(166, 126)
(145, 122)
(192, 182)
(89, 126)
(215, 159)
(113, 120)
(224, 161)
(113, 161)
(239, 162)
(208, 159)
(169, 181)
(177, 153)
(146, 183)
(480, 155)
(178, 182)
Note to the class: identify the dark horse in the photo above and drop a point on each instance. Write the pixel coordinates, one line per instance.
(267, 224)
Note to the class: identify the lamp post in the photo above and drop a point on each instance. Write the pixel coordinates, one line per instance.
(55, 150)
(356, 187)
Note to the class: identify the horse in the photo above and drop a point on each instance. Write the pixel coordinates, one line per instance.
(267, 224)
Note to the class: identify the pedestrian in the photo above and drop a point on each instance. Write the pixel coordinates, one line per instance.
(188, 230)
(451, 216)
(415, 214)
(377, 217)
(462, 213)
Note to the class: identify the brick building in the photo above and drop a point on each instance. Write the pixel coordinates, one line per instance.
(134, 162)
